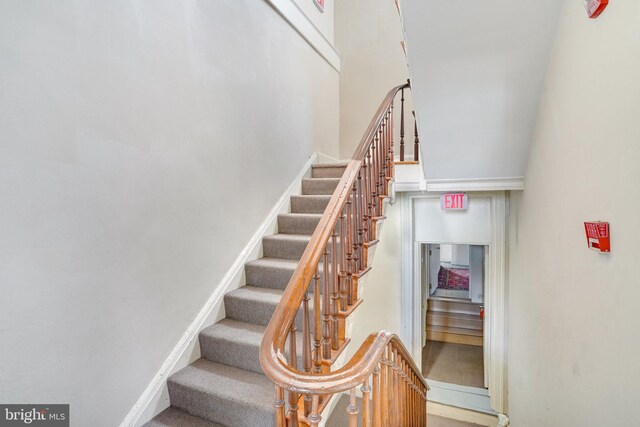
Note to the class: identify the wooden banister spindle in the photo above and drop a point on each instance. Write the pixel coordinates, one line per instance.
(402, 125)
(326, 307)
(369, 195)
(363, 202)
(381, 179)
(317, 325)
(335, 298)
(387, 162)
(293, 361)
(392, 144)
(278, 404)
(343, 261)
(396, 387)
(348, 246)
(314, 417)
(354, 237)
(416, 141)
(375, 393)
(374, 178)
(384, 388)
(392, 386)
(381, 154)
(366, 403)
(352, 409)
(306, 348)
(359, 220)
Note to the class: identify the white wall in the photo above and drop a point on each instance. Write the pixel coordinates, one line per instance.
(368, 36)
(573, 330)
(435, 225)
(141, 145)
(460, 255)
(476, 273)
(446, 252)
(383, 285)
(477, 70)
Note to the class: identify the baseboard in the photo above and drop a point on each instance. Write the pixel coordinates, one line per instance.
(476, 184)
(465, 415)
(155, 397)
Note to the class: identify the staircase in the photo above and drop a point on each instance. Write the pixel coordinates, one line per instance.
(455, 321)
(227, 387)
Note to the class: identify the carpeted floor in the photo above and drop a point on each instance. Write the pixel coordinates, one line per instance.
(339, 417)
(453, 363)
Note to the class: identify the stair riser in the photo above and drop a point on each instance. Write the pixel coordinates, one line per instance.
(291, 249)
(327, 172)
(216, 409)
(453, 307)
(316, 205)
(315, 186)
(454, 323)
(289, 225)
(283, 249)
(455, 338)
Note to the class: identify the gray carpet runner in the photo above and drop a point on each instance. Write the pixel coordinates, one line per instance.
(226, 387)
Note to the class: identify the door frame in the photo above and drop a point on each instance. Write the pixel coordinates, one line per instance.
(495, 294)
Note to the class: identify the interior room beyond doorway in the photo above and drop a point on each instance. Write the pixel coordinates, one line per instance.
(453, 351)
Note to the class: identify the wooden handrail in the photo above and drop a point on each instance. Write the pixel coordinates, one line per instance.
(338, 252)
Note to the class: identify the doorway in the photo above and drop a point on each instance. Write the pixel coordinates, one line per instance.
(483, 228)
(453, 291)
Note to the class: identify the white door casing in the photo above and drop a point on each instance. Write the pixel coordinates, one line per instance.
(485, 208)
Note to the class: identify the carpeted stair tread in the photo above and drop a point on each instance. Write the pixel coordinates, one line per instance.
(223, 394)
(251, 304)
(233, 343)
(271, 273)
(331, 170)
(325, 186)
(298, 223)
(285, 246)
(237, 344)
(172, 417)
(315, 204)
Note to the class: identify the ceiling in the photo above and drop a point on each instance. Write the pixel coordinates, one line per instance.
(478, 70)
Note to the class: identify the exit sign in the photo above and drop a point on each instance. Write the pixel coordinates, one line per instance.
(454, 202)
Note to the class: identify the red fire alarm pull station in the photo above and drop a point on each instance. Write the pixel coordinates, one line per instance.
(598, 235)
(595, 7)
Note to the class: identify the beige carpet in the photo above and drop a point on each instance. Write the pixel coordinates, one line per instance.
(453, 363)
(339, 417)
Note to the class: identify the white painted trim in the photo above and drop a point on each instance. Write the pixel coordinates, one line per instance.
(155, 397)
(476, 399)
(461, 414)
(300, 22)
(476, 184)
(495, 296)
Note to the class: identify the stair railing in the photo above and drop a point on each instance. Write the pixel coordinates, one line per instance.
(321, 294)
